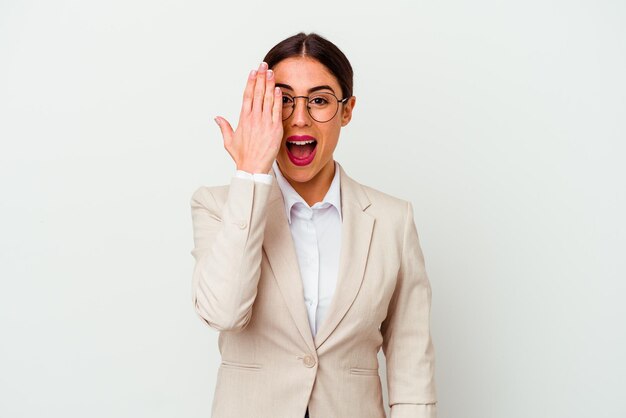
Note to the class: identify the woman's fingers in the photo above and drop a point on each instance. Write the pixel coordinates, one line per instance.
(258, 96)
(259, 90)
(256, 141)
(248, 94)
(268, 102)
(227, 131)
(277, 110)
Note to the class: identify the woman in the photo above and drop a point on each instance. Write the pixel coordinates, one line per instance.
(305, 272)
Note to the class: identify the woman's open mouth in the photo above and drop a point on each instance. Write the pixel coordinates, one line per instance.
(301, 149)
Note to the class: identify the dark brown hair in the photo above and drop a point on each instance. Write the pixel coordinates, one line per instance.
(319, 48)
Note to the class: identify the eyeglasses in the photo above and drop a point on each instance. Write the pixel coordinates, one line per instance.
(322, 107)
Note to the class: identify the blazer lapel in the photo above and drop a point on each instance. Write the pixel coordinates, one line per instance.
(356, 234)
(281, 254)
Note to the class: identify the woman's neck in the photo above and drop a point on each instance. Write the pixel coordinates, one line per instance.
(314, 190)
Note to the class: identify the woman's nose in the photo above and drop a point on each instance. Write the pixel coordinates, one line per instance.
(301, 115)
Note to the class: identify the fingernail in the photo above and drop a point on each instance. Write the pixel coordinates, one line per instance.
(252, 74)
(269, 74)
(263, 66)
(217, 121)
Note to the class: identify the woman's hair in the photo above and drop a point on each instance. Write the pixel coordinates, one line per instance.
(319, 48)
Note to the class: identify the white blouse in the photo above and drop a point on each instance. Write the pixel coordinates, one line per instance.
(316, 233)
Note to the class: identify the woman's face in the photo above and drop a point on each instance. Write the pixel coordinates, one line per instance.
(303, 76)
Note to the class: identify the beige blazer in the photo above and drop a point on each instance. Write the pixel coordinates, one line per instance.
(247, 285)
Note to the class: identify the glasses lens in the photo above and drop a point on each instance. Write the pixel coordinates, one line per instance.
(322, 107)
(288, 105)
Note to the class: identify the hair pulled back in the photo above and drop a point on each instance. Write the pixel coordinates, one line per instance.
(319, 48)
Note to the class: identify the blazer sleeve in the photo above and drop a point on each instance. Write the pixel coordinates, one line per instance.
(407, 343)
(228, 251)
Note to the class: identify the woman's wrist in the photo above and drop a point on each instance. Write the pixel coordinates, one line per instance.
(254, 170)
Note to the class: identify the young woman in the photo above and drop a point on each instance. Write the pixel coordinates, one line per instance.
(305, 272)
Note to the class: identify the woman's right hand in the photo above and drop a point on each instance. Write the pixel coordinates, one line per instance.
(257, 139)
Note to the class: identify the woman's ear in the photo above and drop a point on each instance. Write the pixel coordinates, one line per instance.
(346, 114)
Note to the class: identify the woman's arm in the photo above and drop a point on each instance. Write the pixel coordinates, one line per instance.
(228, 237)
(228, 251)
(407, 343)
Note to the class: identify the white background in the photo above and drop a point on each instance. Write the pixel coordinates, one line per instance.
(503, 122)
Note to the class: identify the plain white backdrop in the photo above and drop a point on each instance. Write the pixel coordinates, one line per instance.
(503, 122)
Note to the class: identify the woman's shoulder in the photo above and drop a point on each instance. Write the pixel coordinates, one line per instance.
(381, 197)
(386, 205)
(209, 195)
(376, 197)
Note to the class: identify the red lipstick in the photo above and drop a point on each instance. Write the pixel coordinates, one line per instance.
(301, 149)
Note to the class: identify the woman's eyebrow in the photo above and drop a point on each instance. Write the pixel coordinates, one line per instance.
(311, 90)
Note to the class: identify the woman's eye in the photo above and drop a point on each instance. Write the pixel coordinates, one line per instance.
(287, 100)
(319, 101)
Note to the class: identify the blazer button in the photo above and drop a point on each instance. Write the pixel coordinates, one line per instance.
(309, 360)
(242, 225)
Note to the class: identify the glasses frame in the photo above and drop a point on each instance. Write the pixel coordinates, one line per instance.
(308, 108)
